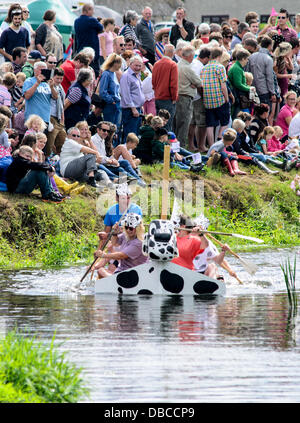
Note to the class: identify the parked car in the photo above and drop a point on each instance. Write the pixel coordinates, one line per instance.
(161, 25)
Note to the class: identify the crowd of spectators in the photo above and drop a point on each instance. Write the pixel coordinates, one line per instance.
(223, 94)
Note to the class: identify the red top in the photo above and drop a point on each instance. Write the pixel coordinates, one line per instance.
(69, 76)
(165, 79)
(189, 247)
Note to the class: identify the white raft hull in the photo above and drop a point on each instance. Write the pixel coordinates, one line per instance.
(159, 278)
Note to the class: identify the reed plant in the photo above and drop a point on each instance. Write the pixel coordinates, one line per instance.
(31, 371)
(289, 273)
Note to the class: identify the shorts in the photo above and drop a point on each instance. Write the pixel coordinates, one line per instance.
(199, 115)
(218, 116)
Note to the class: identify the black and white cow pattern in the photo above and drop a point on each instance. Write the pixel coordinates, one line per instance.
(160, 242)
(160, 278)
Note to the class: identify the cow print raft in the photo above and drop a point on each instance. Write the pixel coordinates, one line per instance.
(128, 279)
(171, 282)
(205, 287)
(145, 292)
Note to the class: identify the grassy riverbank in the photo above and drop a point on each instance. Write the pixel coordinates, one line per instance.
(33, 233)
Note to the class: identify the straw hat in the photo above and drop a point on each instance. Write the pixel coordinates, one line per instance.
(161, 32)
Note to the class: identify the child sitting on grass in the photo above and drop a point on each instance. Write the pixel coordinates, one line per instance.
(124, 151)
(35, 124)
(161, 139)
(217, 152)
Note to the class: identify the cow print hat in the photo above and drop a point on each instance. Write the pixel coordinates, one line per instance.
(132, 220)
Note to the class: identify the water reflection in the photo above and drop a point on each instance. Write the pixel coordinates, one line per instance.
(242, 347)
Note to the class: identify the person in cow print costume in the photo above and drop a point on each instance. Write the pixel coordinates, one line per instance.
(129, 244)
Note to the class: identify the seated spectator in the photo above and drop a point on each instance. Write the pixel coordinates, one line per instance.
(35, 124)
(23, 175)
(159, 142)
(77, 102)
(18, 102)
(8, 82)
(143, 151)
(286, 114)
(78, 161)
(274, 145)
(124, 151)
(217, 152)
(259, 121)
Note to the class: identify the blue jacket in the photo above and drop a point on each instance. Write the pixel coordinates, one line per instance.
(109, 87)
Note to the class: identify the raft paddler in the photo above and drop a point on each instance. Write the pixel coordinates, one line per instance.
(128, 244)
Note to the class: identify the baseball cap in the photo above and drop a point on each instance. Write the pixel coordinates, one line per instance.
(35, 54)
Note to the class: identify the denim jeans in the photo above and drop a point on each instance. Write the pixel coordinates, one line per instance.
(259, 156)
(112, 113)
(31, 180)
(130, 123)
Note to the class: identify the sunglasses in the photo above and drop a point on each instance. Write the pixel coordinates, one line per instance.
(128, 228)
(229, 36)
(105, 130)
(282, 17)
(26, 11)
(121, 45)
(52, 63)
(75, 135)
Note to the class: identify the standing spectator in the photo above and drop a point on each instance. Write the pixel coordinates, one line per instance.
(227, 38)
(51, 61)
(203, 32)
(237, 78)
(145, 33)
(182, 29)
(33, 57)
(261, 67)
(90, 54)
(87, 29)
(234, 22)
(110, 89)
(215, 94)
(19, 56)
(254, 27)
(162, 39)
(56, 137)
(283, 66)
(132, 97)
(14, 36)
(69, 67)
(31, 32)
(165, 84)
(250, 44)
(38, 94)
(198, 123)
(78, 102)
(242, 29)
(130, 19)
(283, 28)
(187, 88)
(106, 39)
(119, 49)
(47, 37)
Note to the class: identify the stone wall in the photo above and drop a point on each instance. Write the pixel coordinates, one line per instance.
(162, 9)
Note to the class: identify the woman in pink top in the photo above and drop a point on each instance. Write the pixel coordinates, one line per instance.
(286, 114)
(106, 39)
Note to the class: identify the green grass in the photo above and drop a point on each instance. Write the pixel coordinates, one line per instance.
(31, 371)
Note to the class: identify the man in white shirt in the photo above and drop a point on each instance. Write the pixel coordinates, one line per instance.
(294, 128)
(198, 123)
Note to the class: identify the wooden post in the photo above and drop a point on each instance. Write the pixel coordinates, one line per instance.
(165, 183)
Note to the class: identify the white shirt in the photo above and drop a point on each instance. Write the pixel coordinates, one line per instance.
(100, 145)
(70, 151)
(294, 128)
(147, 87)
(197, 67)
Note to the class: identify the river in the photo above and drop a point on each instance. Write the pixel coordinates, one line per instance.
(241, 348)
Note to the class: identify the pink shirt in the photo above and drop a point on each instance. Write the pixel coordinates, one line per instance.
(274, 144)
(109, 37)
(5, 97)
(285, 112)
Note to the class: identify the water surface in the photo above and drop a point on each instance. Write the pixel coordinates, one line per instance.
(243, 347)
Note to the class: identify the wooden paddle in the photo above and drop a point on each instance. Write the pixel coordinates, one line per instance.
(247, 265)
(250, 238)
(104, 246)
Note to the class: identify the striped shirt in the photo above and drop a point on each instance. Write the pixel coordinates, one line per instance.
(213, 75)
(74, 95)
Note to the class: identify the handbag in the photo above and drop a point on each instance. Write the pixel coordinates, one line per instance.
(96, 100)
